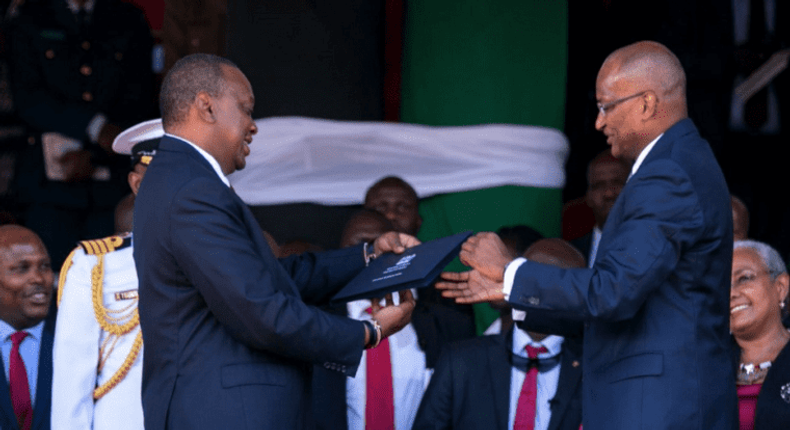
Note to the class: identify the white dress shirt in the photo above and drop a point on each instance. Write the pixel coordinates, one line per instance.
(547, 381)
(409, 374)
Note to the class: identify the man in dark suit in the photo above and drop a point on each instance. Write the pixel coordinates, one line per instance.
(341, 402)
(27, 328)
(231, 333)
(80, 73)
(477, 383)
(655, 304)
(606, 177)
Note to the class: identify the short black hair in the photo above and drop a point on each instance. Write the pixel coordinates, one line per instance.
(189, 76)
(392, 181)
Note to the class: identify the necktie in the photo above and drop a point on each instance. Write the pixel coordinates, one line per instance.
(527, 400)
(19, 388)
(379, 403)
(755, 111)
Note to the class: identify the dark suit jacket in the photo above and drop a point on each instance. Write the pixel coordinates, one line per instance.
(584, 245)
(43, 405)
(773, 412)
(655, 306)
(470, 388)
(436, 325)
(230, 333)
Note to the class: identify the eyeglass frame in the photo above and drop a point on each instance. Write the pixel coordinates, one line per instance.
(603, 108)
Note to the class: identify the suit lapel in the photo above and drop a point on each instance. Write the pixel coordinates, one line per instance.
(7, 418)
(499, 369)
(43, 406)
(570, 377)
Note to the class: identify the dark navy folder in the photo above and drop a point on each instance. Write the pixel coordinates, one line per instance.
(417, 267)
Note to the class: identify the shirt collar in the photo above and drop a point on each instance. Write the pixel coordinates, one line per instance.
(211, 160)
(643, 154)
(6, 331)
(521, 339)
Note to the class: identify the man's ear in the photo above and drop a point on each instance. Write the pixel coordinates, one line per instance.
(135, 177)
(649, 104)
(204, 105)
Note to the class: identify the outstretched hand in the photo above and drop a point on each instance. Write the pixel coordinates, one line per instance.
(393, 318)
(394, 242)
(470, 287)
(487, 254)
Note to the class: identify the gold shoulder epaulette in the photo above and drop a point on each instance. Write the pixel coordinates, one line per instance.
(106, 245)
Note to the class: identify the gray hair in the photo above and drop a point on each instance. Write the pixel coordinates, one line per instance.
(771, 258)
(189, 76)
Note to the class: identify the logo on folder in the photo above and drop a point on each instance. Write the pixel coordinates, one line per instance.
(402, 264)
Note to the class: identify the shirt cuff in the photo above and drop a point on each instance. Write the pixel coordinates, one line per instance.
(510, 275)
(507, 285)
(95, 126)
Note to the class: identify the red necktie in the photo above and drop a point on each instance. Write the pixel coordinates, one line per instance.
(379, 403)
(525, 411)
(20, 390)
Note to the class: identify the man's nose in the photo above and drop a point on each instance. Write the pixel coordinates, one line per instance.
(254, 128)
(599, 122)
(39, 275)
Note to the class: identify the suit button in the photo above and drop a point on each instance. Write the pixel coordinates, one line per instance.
(534, 301)
(86, 45)
(50, 54)
(87, 96)
(86, 70)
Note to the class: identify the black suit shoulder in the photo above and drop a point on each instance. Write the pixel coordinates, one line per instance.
(773, 403)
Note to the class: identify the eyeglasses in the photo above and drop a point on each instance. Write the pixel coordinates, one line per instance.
(603, 108)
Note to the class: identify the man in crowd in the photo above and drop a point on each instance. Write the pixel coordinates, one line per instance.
(392, 377)
(516, 379)
(230, 331)
(655, 305)
(396, 199)
(27, 326)
(98, 353)
(606, 177)
(80, 73)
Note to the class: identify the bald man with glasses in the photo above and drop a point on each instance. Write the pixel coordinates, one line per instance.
(654, 307)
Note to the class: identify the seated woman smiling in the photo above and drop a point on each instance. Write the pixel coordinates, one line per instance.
(757, 301)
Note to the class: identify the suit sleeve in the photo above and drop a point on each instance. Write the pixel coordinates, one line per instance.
(662, 218)
(318, 288)
(436, 408)
(76, 349)
(247, 290)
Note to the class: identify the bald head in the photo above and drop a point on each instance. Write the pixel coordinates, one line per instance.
(26, 278)
(364, 226)
(13, 234)
(641, 93)
(555, 252)
(740, 219)
(651, 65)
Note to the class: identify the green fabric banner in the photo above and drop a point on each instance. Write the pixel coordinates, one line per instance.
(471, 62)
